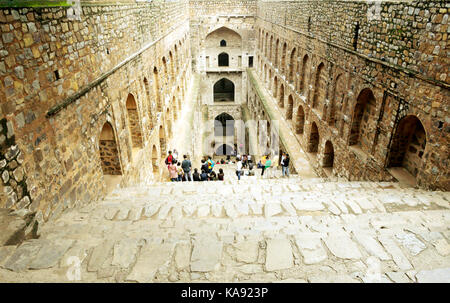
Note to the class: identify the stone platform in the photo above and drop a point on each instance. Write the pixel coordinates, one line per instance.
(254, 230)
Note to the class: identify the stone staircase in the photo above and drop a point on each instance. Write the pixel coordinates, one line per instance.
(253, 230)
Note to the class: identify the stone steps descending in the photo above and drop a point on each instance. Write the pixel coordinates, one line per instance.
(267, 230)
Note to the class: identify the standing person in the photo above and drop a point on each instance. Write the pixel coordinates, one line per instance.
(221, 175)
(169, 159)
(173, 174)
(267, 166)
(263, 164)
(238, 168)
(283, 156)
(249, 159)
(196, 175)
(175, 154)
(186, 166)
(179, 171)
(211, 164)
(204, 165)
(285, 165)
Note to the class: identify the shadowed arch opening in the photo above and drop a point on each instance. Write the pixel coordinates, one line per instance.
(223, 59)
(292, 66)
(319, 90)
(156, 88)
(305, 68)
(162, 141)
(223, 43)
(275, 87)
(300, 120)
(133, 117)
(364, 109)
(155, 158)
(290, 107)
(281, 99)
(223, 90)
(109, 154)
(224, 150)
(408, 145)
(328, 155)
(224, 125)
(313, 143)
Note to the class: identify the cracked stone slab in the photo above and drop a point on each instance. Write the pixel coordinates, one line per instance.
(150, 210)
(5, 252)
(23, 256)
(410, 241)
(247, 251)
(50, 254)
(398, 277)
(372, 246)
(279, 255)
(272, 209)
(311, 249)
(124, 252)
(439, 275)
(99, 255)
(151, 258)
(397, 254)
(342, 246)
(182, 255)
(308, 205)
(206, 255)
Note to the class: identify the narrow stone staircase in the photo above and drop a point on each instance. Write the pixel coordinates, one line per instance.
(252, 230)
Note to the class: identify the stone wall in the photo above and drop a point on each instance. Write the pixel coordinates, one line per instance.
(398, 57)
(62, 79)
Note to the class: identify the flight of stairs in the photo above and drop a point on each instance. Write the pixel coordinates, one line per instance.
(274, 230)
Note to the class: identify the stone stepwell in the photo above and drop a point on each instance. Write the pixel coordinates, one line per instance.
(254, 230)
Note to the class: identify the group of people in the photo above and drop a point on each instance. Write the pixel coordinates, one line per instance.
(182, 171)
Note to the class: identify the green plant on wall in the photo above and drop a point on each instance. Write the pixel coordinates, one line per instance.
(34, 3)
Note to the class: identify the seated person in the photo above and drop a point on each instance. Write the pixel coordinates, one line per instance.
(222, 161)
(196, 175)
(221, 175)
(204, 175)
(212, 176)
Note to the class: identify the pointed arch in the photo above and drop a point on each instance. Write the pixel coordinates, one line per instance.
(109, 153)
(281, 98)
(133, 119)
(314, 138)
(408, 145)
(300, 120)
(361, 118)
(328, 155)
(292, 65)
(290, 107)
(223, 90)
(303, 80)
(319, 89)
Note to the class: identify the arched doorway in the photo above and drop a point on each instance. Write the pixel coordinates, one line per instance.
(223, 59)
(304, 73)
(300, 120)
(365, 106)
(109, 154)
(319, 90)
(162, 141)
(169, 122)
(155, 165)
(328, 155)
(313, 143)
(224, 150)
(224, 125)
(223, 90)
(133, 117)
(281, 99)
(408, 145)
(290, 107)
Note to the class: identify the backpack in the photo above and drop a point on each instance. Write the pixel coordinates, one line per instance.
(167, 161)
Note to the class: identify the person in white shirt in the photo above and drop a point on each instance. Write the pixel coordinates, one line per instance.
(239, 168)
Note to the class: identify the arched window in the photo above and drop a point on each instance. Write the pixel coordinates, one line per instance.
(223, 90)
(224, 59)
(223, 43)
(133, 117)
(408, 146)
(109, 154)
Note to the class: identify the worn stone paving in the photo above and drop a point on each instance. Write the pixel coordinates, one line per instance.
(255, 230)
